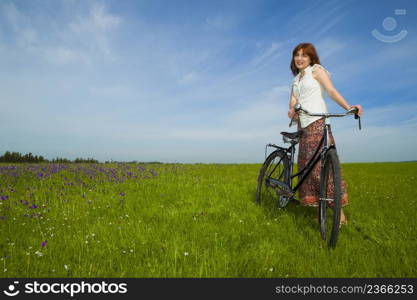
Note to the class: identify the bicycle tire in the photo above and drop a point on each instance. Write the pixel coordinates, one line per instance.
(330, 170)
(276, 166)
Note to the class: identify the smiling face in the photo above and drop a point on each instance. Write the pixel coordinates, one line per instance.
(303, 55)
(301, 60)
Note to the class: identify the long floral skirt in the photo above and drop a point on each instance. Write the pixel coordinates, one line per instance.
(309, 191)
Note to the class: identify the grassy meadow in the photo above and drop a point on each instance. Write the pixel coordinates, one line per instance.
(197, 220)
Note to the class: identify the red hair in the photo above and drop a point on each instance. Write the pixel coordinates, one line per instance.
(307, 49)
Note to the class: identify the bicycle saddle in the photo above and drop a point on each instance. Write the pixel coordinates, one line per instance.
(292, 135)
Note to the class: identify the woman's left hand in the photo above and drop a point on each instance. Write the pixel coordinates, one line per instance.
(359, 108)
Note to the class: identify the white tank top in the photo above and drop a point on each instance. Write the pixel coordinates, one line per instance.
(310, 94)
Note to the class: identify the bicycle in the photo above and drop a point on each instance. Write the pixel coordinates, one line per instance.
(276, 175)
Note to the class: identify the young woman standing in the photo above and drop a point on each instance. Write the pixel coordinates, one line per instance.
(310, 85)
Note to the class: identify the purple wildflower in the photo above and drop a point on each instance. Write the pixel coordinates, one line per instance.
(4, 197)
(153, 172)
(43, 244)
(33, 206)
(122, 194)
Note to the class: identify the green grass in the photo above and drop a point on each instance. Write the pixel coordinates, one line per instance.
(198, 221)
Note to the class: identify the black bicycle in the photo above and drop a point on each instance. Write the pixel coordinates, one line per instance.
(276, 176)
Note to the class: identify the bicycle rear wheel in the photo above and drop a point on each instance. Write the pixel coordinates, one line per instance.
(275, 169)
(330, 203)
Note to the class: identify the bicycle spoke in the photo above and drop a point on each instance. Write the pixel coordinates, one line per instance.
(274, 170)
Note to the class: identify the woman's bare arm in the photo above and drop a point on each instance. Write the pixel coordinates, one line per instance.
(323, 78)
(293, 101)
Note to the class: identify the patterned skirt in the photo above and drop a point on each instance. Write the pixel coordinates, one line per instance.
(309, 191)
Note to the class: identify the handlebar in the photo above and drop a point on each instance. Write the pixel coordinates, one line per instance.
(351, 111)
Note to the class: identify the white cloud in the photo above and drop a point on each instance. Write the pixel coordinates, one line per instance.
(317, 18)
(92, 31)
(265, 55)
(27, 38)
(334, 19)
(62, 55)
(188, 78)
(97, 20)
(385, 135)
(12, 15)
(364, 59)
(114, 93)
(86, 37)
(255, 122)
(329, 47)
(377, 143)
(20, 25)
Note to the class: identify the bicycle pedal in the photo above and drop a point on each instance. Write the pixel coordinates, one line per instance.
(284, 193)
(326, 199)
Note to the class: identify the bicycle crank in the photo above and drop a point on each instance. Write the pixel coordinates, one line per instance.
(281, 188)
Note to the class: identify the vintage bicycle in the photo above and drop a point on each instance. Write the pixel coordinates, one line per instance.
(275, 180)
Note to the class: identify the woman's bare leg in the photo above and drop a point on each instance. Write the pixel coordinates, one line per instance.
(343, 219)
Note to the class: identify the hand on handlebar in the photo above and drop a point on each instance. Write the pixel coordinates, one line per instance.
(355, 109)
(292, 114)
(358, 109)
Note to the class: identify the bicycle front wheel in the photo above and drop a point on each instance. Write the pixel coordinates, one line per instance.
(330, 204)
(275, 169)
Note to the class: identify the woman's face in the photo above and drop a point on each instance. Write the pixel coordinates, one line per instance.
(301, 60)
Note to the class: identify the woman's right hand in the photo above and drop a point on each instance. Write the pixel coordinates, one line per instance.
(292, 114)
(359, 108)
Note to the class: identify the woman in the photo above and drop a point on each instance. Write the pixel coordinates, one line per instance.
(309, 86)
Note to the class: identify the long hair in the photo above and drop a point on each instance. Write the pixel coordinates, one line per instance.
(307, 49)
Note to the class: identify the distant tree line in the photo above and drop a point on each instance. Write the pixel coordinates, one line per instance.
(16, 157)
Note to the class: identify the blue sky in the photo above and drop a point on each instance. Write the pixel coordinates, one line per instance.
(198, 81)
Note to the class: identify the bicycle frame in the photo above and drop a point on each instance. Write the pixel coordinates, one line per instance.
(323, 147)
(313, 160)
(319, 154)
